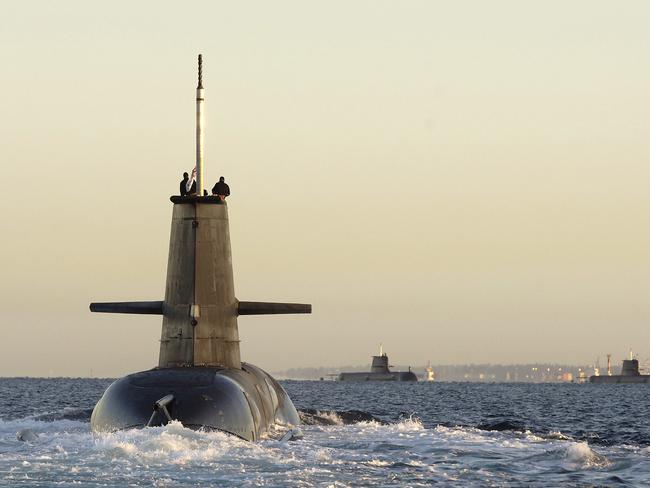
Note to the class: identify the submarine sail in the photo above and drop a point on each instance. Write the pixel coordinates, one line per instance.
(379, 371)
(200, 379)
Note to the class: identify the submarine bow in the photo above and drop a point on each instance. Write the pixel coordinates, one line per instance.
(200, 379)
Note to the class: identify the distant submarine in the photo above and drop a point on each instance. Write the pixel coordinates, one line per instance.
(629, 374)
(200, 379)
(379, 371)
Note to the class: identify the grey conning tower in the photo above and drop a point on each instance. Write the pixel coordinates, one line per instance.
(200, 309)
(630, 367)
(380, 364)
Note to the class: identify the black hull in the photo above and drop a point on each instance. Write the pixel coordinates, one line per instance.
(244, 402)
(390, 376)
(620, 379)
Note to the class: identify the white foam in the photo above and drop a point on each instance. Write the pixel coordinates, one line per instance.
(322, 455)
(172, 443)
(556, 434)
(378, 462)
(406, 426)
(580, 455)
(411, 424)
(464, 433)
(338, 455)
(331, 416)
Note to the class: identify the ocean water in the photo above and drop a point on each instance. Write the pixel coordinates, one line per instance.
(367, 434)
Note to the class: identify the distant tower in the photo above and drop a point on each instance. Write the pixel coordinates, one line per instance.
(609, 365)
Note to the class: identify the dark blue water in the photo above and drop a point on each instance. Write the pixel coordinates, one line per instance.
(600, 414)
(447, 434)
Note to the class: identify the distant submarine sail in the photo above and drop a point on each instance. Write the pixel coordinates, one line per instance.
(200, 379)
(379, 371)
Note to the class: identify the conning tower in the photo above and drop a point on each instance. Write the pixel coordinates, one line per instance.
(200, 310)
(380, 363)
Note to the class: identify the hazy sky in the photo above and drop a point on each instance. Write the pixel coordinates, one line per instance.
(462, 181)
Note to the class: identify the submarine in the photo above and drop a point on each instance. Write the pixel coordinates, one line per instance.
(629, 373)
(379, 371)
(200, 379)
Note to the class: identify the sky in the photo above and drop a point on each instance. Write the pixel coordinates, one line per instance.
(464, 182)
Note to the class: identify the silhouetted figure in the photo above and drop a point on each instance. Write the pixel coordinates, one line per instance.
(221, 189)
(184, 184)
(186, 192)
(205, 193)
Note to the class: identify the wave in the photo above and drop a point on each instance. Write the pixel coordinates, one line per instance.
(67, 413)
(519, 427)
(325, 417)
(310, 416)
(330, 447)
(556, 434)
(579, 456)
(170, 444)
(503, 425)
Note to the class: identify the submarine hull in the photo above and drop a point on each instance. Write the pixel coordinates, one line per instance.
(243, 402)
(620, 379)
(390, 376)
(629, 374)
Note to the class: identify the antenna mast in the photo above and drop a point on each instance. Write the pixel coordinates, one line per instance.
(199, 130)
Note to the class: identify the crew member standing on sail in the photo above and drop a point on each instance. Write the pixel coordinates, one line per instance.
(183, 188)
(221, 189)
(188, 185)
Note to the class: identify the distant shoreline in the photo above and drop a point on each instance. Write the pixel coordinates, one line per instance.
(484, 373)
